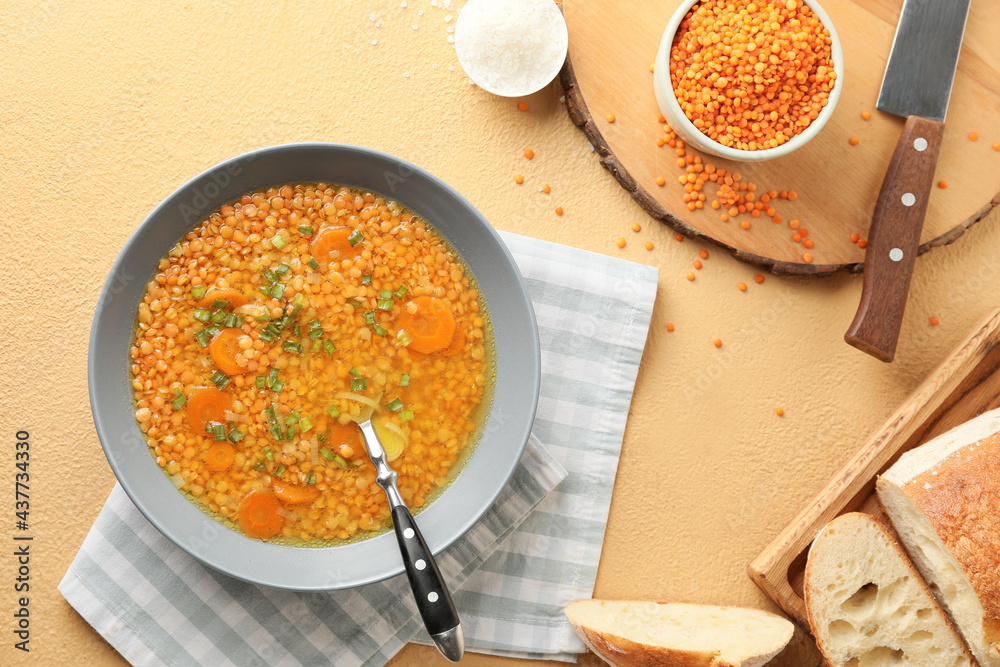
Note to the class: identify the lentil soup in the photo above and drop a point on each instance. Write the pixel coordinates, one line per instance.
(267, 330)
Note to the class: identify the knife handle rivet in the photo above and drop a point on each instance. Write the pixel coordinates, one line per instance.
(920, 144)
(895, 254)
(909, 199)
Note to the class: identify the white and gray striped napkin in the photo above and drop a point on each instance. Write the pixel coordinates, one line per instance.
(511, 575)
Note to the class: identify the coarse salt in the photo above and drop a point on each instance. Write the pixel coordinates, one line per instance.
(512, 48)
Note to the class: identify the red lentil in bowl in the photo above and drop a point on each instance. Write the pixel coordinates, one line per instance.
(277, 318)
(503, 417)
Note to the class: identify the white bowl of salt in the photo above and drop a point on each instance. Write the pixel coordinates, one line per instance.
(511, 48)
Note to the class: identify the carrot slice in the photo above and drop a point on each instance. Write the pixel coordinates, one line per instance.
(430, 326)
(220, 456)
(234, 297)
(333, 244)
(458, 341)
(260, 515)
(345, 434)
(294, 495)
(207, 404)
(225, 350)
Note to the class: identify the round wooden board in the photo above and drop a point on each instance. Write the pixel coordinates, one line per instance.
(611, 45)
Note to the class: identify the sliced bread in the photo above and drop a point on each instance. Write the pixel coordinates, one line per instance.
(638, 633)
(943, 499)
(868, 606)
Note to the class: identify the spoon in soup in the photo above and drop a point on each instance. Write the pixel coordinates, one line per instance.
(429, 590)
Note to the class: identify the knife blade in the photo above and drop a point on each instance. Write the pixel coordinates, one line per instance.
(917, 86)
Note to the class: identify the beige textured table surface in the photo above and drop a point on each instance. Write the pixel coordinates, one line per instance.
(106, 107)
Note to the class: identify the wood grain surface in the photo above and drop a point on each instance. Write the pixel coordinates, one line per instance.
(964, 385)
(611, 45)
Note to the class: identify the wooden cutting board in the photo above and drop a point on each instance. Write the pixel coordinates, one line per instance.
(965, 384)
(611, 45)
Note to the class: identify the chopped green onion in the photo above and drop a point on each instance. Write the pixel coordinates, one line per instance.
(270, 276)
(358, 384)
(261, 381)
(265, 336)
(277, 385)
(379, 329)
(292, 419)
(307, 231)
(366, 279)
(277, 432)
(212, 330)
(178, 402)
(406, 415)
(326, 453)
(290, 433)
(202, 314)
(202, 337)
(317, 345)
(282, 269)
(403, 337)
(311, 479)
(305, 424)
(401, 292)
(219, 379)
(198, 291)
(265, 317)
(259, 466)
(230, 320)
(355, 372)
(385, 304)
(299, 301)
(264, 289)
(238, 322)
(292, 346)
(277, 290)
(278, 241)
(315, 329)
(271, 413)
(324, 436)
(354, 303)
(333, 411)
(388, 523)
(385, 294)
(393, 405)
(329, 346)
(313, 264)
(296, 331)
(220, 304)
(272, 375)
(355, 238)
(404, 380)
(218, 316)
(236, 435)
(273, 329)
(268, 454)
(280, 470)
(339, 460)
(219, 431)
(369, 317)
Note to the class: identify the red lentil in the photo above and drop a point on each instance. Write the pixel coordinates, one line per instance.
(779, 411)
(523, 106)
(943, 184)
(865, 115)
(528, 153)
(325, 287)
(559, 210)
(610, 118)
(649, 245)
(717, 342)
(620, 242)
(636, 227)
(935, 321)
(670, 326)
(741, 80)
(759, 279)
(519, 178)
(854, 141)
(973, 136)
(743, 287)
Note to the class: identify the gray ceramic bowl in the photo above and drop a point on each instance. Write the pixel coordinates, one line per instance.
(515, 393)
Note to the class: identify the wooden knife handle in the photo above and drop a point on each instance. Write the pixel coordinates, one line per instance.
(893, 238)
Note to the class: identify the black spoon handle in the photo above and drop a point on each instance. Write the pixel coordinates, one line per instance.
(429, 591)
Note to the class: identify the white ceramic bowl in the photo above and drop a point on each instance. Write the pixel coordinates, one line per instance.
(692, 136)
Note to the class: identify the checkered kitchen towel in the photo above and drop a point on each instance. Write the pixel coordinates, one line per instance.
(511, 574)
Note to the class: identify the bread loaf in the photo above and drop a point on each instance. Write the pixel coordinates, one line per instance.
(868, 606)
(635, 633)
(943, 499)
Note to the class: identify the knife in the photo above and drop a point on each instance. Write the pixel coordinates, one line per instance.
(916, 86)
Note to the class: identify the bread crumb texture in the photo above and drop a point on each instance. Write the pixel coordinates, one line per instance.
(868, 606)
